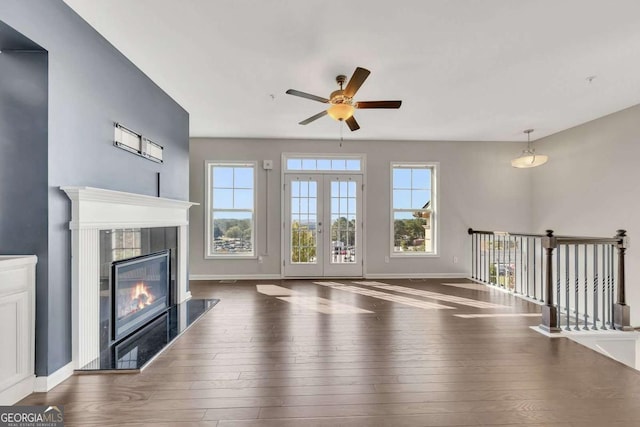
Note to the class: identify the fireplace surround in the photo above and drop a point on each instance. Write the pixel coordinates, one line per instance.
(94, 210)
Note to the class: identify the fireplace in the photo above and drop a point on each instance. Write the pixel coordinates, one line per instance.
(94, 211)
(140, 292)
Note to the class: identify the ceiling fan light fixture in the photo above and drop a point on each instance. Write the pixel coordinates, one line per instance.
(341, 112)
(341, 103)
(529, 158)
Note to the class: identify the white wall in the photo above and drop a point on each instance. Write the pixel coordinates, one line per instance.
(477, 188)
(590, 186)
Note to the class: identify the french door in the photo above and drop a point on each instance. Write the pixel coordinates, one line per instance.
(323, 225)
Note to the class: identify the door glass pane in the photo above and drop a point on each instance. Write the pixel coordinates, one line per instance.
(343, 189)
(304, 222)
(352, 189)
(343, 222)
(343, 205)
(304, 205)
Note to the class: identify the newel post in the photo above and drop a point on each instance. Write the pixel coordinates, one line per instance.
(549, 310)
(621, 311)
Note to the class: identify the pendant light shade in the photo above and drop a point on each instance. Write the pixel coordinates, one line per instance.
(529, 158)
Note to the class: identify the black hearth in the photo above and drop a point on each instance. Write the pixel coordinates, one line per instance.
(137, 350)
(140, 292)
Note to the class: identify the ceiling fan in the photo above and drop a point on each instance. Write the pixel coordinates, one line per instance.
(341, 101)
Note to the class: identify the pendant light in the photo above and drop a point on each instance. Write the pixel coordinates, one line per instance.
(529, 158)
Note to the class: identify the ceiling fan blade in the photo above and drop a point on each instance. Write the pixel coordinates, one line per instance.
(312, 118)
(307, 95)
(359, 76)
(378, 104)
(352, 123)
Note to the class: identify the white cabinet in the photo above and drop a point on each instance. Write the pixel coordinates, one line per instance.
(17, 327)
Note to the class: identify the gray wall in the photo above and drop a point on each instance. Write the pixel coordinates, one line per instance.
(589, 187)
(478, 188)
(23, 159)
(91, 86)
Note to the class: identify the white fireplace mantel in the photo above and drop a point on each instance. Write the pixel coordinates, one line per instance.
(105, 209)
(95, 209)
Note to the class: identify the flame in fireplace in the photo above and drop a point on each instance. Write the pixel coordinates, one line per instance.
(141, 295)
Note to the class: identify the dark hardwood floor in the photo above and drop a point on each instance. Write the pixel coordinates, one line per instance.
(303, 354)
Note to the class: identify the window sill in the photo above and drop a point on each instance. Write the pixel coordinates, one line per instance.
(409, 256)
(223, 257)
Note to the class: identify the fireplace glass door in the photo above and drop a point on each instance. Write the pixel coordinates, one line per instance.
(140, 292)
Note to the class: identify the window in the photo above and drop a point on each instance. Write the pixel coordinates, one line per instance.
(413, 209)
(346, 164)
(231, 209)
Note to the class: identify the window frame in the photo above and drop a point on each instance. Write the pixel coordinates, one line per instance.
(208, 217)
(433, 210)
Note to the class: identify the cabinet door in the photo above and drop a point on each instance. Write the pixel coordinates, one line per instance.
(15, 322)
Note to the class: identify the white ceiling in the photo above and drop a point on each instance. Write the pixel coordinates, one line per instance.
(465, 69)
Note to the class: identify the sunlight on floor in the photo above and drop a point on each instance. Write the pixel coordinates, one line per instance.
(472, 286)
(386, 297)
(433, 295)
(322, 305)
(274, 290)
(306, 303)
(477, 316)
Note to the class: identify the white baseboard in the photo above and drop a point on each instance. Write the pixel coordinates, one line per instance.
(17, 391)
(217, 277)
(416, 276)
(234, 277)
(44, 384)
